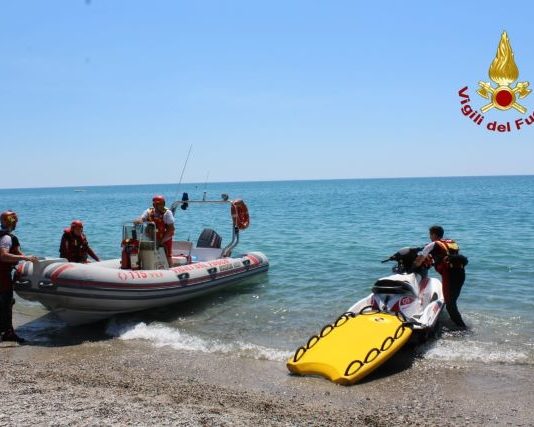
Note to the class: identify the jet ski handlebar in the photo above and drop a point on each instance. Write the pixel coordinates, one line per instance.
(404, 254)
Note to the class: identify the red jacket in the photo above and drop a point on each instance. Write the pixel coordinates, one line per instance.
(157, 218)
(75, 248)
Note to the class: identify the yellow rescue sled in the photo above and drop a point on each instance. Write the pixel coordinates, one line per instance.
(352, 347)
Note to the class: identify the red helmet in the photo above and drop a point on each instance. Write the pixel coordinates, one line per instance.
(8, 219)
(76, 224)
(158, 199)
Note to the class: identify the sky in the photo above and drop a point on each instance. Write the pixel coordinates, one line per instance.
(106, 92)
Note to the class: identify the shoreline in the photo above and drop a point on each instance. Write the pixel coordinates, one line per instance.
(132, 382)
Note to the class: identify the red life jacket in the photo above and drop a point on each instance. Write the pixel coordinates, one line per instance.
(449, 245)
(157, 218)
(6, 268)
(446, 247)
(74, 248)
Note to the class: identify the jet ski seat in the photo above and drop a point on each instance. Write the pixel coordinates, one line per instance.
(389, 286)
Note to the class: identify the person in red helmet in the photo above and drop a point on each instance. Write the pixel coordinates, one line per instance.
(10, 255)
(74, 245)
(164, 220)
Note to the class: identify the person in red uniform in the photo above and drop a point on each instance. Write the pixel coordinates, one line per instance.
(163, 218)
(450, 265)
(10, 255)
(74, 245)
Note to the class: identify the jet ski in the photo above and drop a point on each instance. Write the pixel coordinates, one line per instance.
(376, 327)
(409, 291)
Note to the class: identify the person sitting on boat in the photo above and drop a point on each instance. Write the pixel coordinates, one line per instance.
(74, 245)
(163, 218)
(10, 255)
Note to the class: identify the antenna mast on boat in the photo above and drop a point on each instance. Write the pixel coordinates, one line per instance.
(183, 169)
(206, 186)
(176, 203)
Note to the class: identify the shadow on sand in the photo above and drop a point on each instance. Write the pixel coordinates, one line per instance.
(414, 349)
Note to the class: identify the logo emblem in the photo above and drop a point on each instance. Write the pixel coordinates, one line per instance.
(502, 94)
(503, 71)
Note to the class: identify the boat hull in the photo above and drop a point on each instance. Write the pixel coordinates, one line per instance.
(81, 294)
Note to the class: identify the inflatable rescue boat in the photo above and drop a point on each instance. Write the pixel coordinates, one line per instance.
(374, 328)
(142, 278)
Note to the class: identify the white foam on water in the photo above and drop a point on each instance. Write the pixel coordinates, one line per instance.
(470, 350)
(164, 336)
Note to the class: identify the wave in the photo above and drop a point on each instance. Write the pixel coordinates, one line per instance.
(476, 351)
(160, 335)
(445, 349)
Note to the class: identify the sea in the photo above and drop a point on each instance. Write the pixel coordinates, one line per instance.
(325, 241)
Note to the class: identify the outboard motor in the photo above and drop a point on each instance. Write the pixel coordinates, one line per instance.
(209, 239)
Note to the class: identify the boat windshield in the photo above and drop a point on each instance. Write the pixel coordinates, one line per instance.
(145, 233)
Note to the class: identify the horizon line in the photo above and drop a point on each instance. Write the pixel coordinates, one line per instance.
(263, 181)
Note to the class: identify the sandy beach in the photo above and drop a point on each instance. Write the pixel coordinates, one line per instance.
(109, 381)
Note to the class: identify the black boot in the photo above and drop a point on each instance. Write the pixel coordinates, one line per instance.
(11, 336)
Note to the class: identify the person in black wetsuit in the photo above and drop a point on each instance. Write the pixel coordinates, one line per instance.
(10, 255)
(450, 265)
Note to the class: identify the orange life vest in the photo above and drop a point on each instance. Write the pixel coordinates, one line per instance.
(157, 218)
(74, 248)
(449, 245)
(449, 255)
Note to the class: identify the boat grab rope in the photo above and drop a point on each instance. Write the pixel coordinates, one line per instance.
(340, 321)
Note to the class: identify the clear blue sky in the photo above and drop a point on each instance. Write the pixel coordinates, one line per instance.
(114, 92)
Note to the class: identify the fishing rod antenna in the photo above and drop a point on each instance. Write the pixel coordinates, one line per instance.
(175, 204)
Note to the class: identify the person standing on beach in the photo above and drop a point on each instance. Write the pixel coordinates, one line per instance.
(10, 255)
(450, 265)
(74, 245)
(164, 220)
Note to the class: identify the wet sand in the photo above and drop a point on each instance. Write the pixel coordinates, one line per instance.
(109, 381)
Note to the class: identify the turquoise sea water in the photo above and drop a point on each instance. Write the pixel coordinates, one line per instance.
(325, 241)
